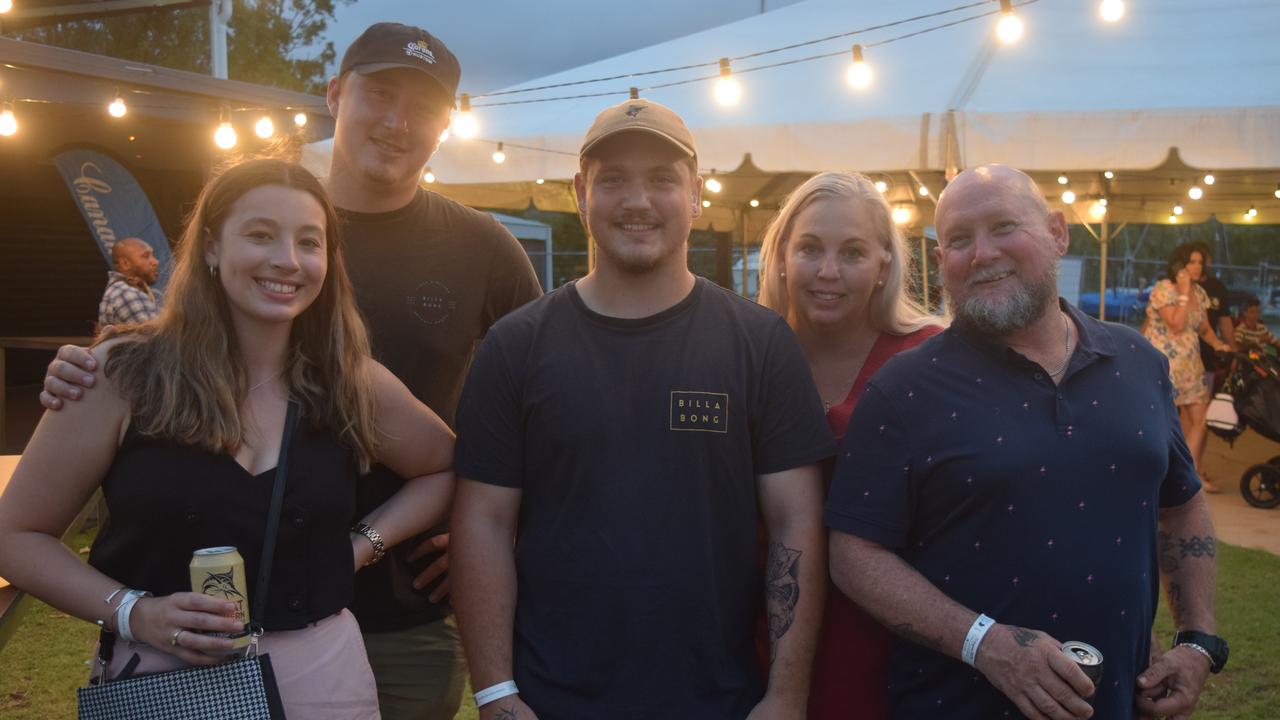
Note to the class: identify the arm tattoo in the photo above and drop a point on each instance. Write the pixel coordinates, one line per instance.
(907, 631)
(1168, 561)
(1023, 636)
(1195, 546)
(507, 713)
(782, 591)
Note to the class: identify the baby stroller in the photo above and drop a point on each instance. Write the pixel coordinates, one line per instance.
(1250, 398)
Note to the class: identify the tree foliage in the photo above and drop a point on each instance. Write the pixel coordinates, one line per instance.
(270, 42)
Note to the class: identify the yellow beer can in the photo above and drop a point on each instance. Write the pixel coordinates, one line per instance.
(219, 572)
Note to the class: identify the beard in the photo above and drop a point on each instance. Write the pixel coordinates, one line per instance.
(1005, 315)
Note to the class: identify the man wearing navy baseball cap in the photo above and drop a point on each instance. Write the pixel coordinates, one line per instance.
(430, 276)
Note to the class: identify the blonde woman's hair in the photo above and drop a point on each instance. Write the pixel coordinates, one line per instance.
(184, 378)
(892, 308)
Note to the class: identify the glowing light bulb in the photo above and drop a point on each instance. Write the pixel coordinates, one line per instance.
(713, 185)
(706, 203)
(881, 186)
(1068, 197)
(264, 128)
(300, 119)
(1210, 179)
(1104, 202)
(499, 156)
(225, 136)
(1177, 209)
(1097, 210)
(1195, 193)
(6, 6)
(1108, 175)
(859, 74)
(754, 203)
(1173, 219)
(924, 191)
(901, 215)
(8, 123)
(1111, 10)
(428, 177)
(1277, 193)
(1009, 29)
(728, 92)
(539, 181)
(1062, 180)
(1253, 212)
(117, 108)
(465, 123)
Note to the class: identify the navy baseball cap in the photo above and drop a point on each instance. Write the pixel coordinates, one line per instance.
(392, 45)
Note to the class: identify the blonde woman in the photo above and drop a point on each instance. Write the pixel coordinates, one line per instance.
(183, 431)
(834, 265)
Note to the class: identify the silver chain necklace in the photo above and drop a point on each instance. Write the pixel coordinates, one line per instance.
(1066, 353)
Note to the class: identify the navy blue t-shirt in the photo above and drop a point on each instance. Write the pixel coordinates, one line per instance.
(636, 445)
(1034, 504)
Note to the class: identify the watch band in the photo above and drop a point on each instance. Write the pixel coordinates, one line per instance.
(379, 549)
(1211, 646)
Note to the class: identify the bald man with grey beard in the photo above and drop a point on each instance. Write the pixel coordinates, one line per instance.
(1009, 485)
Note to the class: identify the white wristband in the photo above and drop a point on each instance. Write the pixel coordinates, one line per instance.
(969, 653)
(496, 692)
(123, 610)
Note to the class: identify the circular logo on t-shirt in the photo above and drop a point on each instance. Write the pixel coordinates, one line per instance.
(432, 302)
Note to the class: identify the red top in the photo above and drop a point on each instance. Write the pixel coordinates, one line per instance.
(853, 650)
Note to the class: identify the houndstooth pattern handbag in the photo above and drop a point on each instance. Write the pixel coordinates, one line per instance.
(243, 689)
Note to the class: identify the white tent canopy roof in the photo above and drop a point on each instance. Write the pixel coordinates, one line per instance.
(1074, 93)
(1176, 88)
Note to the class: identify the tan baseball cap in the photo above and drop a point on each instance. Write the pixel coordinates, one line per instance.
(642, 115)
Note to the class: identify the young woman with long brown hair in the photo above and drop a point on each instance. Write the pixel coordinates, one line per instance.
(183, 433)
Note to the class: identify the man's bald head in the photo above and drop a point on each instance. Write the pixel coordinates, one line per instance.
(992, 181)
(123, 248)
(133, 258)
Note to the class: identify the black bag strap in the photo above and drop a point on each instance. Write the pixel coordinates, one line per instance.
(273, 521)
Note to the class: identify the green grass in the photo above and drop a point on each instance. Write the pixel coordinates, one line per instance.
(45, 660)
(1249, 618)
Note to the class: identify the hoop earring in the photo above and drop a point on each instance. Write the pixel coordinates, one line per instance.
(213, 271)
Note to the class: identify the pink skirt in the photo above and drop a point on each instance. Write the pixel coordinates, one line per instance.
(322, 670)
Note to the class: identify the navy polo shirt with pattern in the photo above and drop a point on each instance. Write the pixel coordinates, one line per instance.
(1034, 504)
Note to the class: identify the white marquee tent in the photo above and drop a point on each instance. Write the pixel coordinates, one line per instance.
(1175, 89)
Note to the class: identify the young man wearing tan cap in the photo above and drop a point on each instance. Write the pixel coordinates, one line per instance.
(618, 441)
(430, 277)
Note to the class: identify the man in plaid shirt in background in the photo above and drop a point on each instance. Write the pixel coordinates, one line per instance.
(129, 297)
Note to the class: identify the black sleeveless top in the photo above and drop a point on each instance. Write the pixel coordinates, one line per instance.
(166, 500)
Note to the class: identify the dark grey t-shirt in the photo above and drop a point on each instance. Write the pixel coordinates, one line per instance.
(430, 279)
(636, 444)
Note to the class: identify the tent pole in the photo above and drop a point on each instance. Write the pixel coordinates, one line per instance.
(924, 268)
(1102, 292)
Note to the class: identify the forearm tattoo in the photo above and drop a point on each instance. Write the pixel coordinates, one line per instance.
(1195, 546)
(1023, 636)
(507, 713)
(782, 591)
(907, 631)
